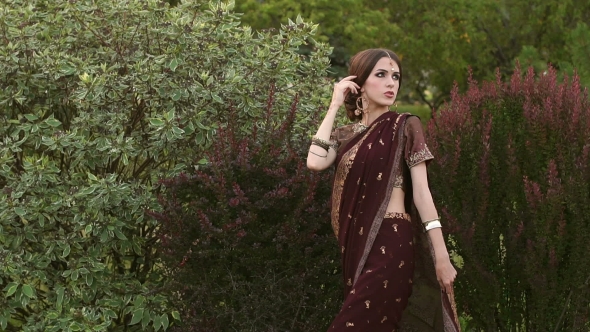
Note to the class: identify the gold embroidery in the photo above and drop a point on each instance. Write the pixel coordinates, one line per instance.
(349, 324)
(401, 264)
(384, 319)
(379, 176)
(341, 173)
(381, 142)
(411, 282)
(369, 145)
(367, 303)
(398, 300)
(361, 232)
(369, 271)
(419, 156)
(399, 181)
(385, 283)
(342, 249)
(349, 283)
(352, 291)
(394, 215)
(382, 250)
(358, 181)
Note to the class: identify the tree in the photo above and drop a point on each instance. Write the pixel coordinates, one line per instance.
(439, 40)
(100, 99)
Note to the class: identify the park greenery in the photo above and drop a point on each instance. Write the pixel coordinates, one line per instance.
(152, 158)
(439, 40)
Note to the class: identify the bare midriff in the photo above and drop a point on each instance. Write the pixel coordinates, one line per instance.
(396, 202)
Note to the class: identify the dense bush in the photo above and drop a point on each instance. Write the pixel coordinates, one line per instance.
(247, 237)
(511, 178)
(98, 100)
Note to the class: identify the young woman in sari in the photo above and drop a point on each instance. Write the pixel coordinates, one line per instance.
(380, 176)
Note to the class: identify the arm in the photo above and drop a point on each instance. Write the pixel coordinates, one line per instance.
(445, 271)
(314, 160)
(317, 158)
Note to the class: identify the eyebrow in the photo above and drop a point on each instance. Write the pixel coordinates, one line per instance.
(385, 70)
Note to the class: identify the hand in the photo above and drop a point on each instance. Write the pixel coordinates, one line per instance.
(446, 274)
(342, 89)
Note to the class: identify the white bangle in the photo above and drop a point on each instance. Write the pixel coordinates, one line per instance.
(432, 225)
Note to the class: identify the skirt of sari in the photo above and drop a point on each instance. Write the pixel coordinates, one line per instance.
(381, 293)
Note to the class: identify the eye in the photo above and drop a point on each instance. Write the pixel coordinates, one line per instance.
(380, 74)
(396, 77)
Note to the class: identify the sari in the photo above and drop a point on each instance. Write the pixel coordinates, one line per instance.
(380, 249)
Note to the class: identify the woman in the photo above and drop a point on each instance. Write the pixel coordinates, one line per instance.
(380, 173)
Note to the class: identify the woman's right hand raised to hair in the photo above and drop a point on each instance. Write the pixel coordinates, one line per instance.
(342, 89)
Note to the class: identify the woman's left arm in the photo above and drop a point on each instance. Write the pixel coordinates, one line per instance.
(445, 272)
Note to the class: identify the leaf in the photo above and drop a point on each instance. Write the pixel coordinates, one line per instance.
(66, 251)
(156, 122)
(165, 321)
(137, 316)
(31, 117)
(53, 122)
(146, 318)
(19, 211)
(119, 235)
(11, 288)
(175, 315)
(28, 291)
(173, 64)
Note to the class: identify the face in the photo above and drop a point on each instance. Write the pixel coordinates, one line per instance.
(381, 87)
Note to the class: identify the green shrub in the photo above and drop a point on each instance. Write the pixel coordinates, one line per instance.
(98, 100)
(511, 178)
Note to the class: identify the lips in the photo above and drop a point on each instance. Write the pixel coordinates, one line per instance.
(389, 94)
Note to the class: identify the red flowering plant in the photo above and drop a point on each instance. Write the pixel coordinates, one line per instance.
(246, 238)
(511, 180)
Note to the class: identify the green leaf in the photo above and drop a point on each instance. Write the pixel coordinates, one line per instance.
(53, 122)
(165, 321)
(137, 316)
(19, 211)
(11, 288)
(119, 235)
(156, 122)
(146, 318)
(28, 291)
(31, 117)
(176, 315)
(66, 251)
(173, 64)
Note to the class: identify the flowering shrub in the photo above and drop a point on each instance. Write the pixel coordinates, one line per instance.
(246, 238)
(511, 178)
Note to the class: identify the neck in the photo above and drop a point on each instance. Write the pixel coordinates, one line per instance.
(370, 116)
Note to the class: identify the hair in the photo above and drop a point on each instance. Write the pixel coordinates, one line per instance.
(361, 65)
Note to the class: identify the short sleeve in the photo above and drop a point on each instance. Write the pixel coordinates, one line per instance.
(416, 150)
(334, 138)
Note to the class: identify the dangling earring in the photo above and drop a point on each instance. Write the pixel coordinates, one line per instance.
(396, 106)
(359, 109)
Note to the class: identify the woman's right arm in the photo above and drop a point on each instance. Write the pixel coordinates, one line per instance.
(318, 158)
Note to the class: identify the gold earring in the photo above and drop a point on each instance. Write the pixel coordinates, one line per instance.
(359, 109)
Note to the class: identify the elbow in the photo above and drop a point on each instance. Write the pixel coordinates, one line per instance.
(311, 165)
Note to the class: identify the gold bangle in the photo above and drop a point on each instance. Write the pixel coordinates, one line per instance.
(323, 143)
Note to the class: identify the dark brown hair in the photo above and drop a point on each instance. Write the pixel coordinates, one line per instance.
(361, 65)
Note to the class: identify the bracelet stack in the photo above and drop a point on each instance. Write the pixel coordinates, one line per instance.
(322, 144)
(431, 224)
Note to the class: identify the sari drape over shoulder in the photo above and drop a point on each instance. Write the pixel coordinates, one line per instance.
(370, 164)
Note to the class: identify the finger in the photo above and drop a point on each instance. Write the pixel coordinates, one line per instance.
(348, 78)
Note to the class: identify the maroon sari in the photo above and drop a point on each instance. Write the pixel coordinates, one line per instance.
(378, 249)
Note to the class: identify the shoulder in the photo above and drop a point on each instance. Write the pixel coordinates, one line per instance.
(413, 124)
(343, 132)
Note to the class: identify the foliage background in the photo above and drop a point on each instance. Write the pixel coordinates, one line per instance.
(511, 182)
(99, 100)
